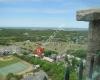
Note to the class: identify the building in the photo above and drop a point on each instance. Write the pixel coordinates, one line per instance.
(7, 50)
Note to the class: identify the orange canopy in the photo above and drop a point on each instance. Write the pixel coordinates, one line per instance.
(39, 51)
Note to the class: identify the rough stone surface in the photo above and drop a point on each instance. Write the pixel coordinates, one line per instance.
(94, 44)
(88, 15)
(41, 75)
(93, 16)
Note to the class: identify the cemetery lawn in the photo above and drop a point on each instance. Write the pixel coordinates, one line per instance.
(9, 62)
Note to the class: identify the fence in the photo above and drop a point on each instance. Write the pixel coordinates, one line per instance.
(80, 71)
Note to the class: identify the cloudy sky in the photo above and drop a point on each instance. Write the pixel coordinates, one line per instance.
(43, 13)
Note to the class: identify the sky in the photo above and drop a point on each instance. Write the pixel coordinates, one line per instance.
(44, 13)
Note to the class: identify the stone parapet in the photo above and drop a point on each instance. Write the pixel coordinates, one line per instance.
(88, 15)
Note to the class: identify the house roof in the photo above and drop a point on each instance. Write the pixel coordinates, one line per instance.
(41, 75)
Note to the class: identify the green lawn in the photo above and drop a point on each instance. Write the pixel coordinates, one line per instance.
(6, 63)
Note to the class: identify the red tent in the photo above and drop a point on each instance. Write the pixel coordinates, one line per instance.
(39, 51)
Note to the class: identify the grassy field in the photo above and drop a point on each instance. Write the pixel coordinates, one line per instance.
(9, 62)
(15, 66)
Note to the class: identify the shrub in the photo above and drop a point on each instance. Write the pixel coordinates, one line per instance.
(49, 52)
(81, 53)
(56, 72)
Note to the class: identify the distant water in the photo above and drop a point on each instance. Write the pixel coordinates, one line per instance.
(47, 28)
